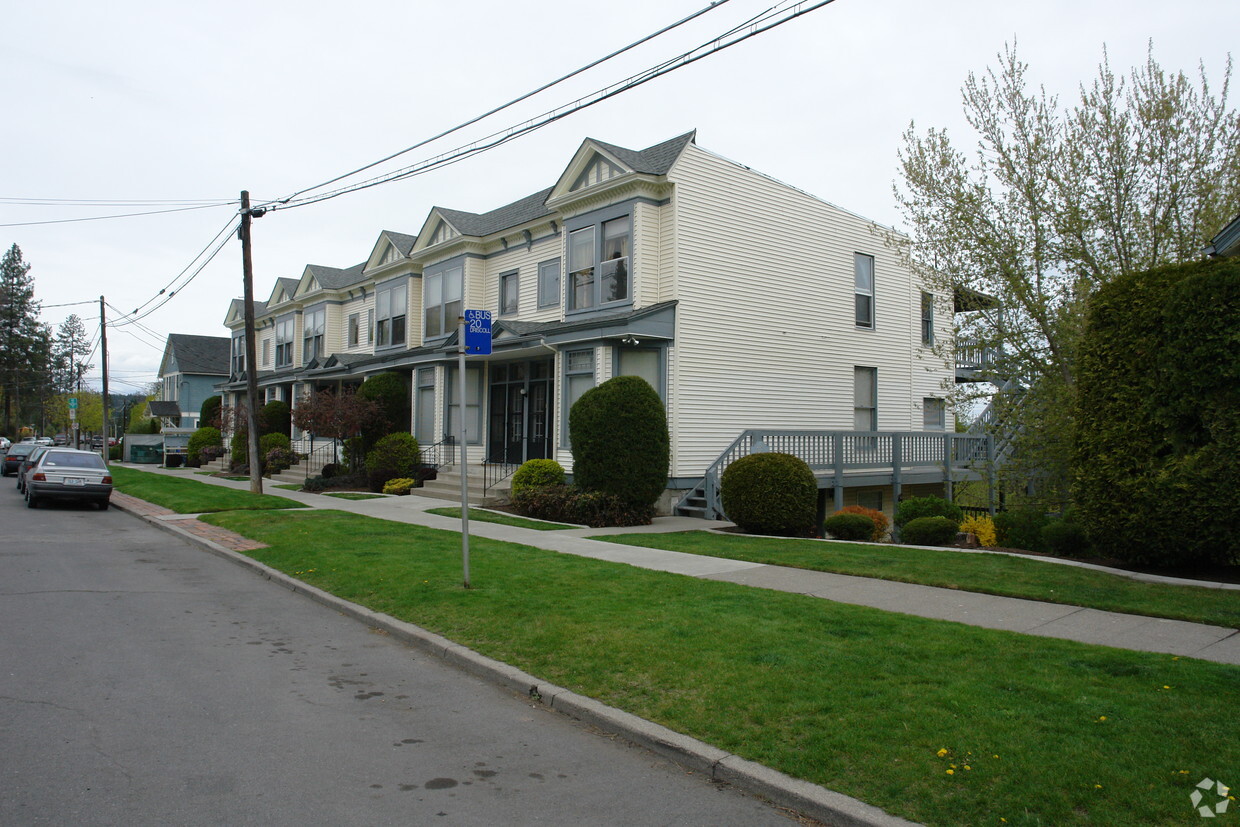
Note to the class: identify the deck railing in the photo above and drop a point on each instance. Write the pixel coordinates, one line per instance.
(839, 452)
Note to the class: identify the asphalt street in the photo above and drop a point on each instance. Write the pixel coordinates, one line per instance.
(143, 681)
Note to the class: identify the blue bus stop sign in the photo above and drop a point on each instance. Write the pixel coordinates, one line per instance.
(478, 332)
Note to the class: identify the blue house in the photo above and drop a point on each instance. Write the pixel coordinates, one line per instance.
(189, 371)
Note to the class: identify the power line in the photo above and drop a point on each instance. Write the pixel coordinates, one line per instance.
(101, 202)
(496, 139)
(715, 5)
(118, 215)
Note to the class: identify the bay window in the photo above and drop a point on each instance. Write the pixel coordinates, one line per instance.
(443, 288)
(313, 325)
(391, 306)
(599, 264)
(284, 342)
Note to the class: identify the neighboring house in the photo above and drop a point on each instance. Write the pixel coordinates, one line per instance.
(1227, 242)
(746, 303)
(191, 368)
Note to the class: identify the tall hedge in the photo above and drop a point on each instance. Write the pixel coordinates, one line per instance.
(275, 418)
(391, 392)
(209, 413)
(1158, 416)
(620, 440)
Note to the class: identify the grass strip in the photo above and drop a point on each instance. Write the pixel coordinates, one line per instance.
(503, 519)
(1000, 574)
(877, 705)
(187, 496)
(288, 486)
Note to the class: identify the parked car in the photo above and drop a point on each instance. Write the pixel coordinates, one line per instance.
(14, 455)
(29, 440)
(66, 474)
(43, 440)
(60, 439)
(25, 464)
(4, 443)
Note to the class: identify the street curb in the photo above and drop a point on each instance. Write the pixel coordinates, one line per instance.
(697, 756)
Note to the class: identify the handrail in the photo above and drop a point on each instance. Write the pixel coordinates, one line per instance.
(493, 473)
(438, 454)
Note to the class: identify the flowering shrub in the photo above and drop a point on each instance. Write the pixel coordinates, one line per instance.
(278, 459)
(981, 527)
(399, 486)
(881, 523)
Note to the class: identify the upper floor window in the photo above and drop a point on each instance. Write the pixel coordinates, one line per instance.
(443, 304)
(266, 352)
(238, 355)
(314, 323)
(509, 293)
(549, 283)
(863, 278)
(927, 319)
(284, 342)
(354, 330)
(391, 305)
(598, 264)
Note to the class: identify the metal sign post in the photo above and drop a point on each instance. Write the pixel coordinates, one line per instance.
(473, 335)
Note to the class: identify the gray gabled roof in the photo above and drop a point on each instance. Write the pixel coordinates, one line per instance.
(159, 408)
(1227, 242)
(333, 278)
(403, 243)
(530, 208)
(238, 306)
(207, 355)
(653, 160)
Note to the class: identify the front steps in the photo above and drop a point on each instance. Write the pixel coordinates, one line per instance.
(447, 486)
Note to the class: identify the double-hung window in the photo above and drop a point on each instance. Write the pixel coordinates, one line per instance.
(863, 279)
(313, 325)
(865, 399)
(284, 342)
(599, 264)
(391, 305)
(509, 293)
(927, 319)
(549, 283)
(444, 287)
(354, 329)
(266, 352)
(578, 378)
(238, 355)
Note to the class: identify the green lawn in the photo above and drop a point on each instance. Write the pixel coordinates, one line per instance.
(1034, 731)
(187, 496)
(477, 514)
(990, 573)
(353, 495)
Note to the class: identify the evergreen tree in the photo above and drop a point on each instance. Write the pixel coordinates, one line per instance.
(69, 354)
(24, 347)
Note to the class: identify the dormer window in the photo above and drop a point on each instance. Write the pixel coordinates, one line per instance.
(598, 263)
(598, 171)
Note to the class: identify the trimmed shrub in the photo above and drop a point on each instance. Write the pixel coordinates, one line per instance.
(929, 531)
(771, 493)
(570, 504)
(278, 459)
(204, 437)
(342, 481)
(1064, 538)
(209, 413)
(916, 507)
(1158, 416)
(843, 526)
(881, 523)
(268, 441)
(536, 473)
(329, 470)
(1021, 528)
(620, 441)
(981, 527)
(399, 487)
(239, 448)
(395, 456)
(391, 392)
(275, 418)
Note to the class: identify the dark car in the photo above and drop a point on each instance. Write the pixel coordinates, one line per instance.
(15, 454)
(30, 460)
(66, 474)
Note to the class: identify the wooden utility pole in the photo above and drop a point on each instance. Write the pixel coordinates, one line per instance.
(103, 356)
(251, 362)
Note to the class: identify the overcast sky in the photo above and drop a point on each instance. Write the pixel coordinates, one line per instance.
(125, 101)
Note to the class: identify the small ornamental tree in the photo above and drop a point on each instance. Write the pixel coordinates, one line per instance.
(335, 416)
(771, 493)
(620, 441)
(202, 438)
(209, 413)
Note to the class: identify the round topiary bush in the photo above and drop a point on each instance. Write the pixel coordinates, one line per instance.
(620, 441)
(878, 518)
(1064, 538)
(395, 456)
(843, 526)
(268, 441)
(771, 494)
(199, 439)
(929, 531)
(536, 473)
(916, 507)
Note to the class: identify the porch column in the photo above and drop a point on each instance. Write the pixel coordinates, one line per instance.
(897, 460)
(948, 487)
(837, 451)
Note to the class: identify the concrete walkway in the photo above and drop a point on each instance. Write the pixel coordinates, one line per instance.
(1125, 631)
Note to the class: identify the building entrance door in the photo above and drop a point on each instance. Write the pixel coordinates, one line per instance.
(520, 407)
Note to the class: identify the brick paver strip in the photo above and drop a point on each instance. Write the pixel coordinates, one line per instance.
(224, 537)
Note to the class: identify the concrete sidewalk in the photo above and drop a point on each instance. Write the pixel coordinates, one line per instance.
(1125, 631)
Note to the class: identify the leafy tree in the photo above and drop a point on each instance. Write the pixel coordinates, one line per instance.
(274, 418)
(209, 413)
(390, 392)
(1055, 201)
(23, 340)
(336, 416)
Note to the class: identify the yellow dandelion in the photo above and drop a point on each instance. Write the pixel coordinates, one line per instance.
(1097, 786)
(1166, 687)
(953, 766)
(967, 767)
(1102, 717)
(951, 772)
(941, 752)
(994, 756)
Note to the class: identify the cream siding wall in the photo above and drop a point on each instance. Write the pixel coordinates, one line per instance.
(361, 307)
(765, 322)
(647, 239)
(525, 260)
(333, 330)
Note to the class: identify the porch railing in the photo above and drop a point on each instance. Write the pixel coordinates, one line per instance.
(493, 473)
(438, 454)
(973, 355)
(837, 452)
